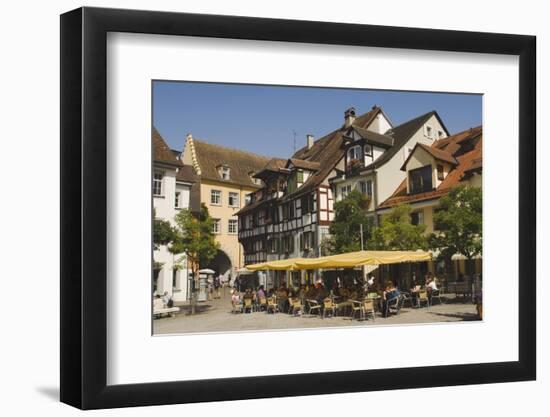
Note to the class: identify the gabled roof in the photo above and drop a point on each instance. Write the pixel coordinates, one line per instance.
(327, 152)
(438, 154)
(369, 135)
(401, 134)
(186, 173)
(208, 157)
(467, 163)
(274, 165)
(162, 152)
(367, 118)
(303, 164)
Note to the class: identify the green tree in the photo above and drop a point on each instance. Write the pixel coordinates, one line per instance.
(396, 232)
(195, 238)
(163, 233)
(345, 230)
(458, 223)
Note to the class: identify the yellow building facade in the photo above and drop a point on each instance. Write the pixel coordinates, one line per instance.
(225, 178)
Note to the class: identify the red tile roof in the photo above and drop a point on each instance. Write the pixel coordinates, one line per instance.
(438, 154)
(467, 162)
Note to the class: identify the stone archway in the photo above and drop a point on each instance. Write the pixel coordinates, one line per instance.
(221, 263)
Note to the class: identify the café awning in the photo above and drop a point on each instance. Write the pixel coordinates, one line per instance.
(280, 265)
(346, 260)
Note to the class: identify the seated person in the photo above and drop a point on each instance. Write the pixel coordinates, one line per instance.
(416, 287)
(389, 294)
(282, 298)
(431, 287)
(235, 299)
(261, 292)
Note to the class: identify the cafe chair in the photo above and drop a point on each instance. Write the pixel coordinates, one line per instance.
(272, 305)
(329, 306)
(356, 308)
(368, 308)
(423, 298)
(436, 294)
(248, 305)
(313, 306)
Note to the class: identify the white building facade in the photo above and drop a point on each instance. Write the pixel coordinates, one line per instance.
(171, 190)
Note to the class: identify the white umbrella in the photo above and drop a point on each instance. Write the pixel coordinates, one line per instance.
(206, 271)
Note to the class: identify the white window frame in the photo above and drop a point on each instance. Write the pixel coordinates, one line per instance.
(225, 173)
(159, 182)
(344, 191)
(429, 132)
(216, 226)
(212, 194)
(368, 188)
(236, 196)
(235, 224)
(356, 152)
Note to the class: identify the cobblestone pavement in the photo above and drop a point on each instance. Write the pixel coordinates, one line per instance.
(216, 316)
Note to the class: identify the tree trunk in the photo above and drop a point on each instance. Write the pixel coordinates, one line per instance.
(193, 294)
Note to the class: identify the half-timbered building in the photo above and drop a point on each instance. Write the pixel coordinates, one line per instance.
(373, 155)
(290, 215)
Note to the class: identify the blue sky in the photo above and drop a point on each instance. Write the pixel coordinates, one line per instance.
(263, 119)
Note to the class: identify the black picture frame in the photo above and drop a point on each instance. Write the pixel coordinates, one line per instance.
(84, 207)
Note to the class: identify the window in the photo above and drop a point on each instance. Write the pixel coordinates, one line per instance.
(368, 150)
(288, 243)
(232, 226)
(157, 183)
(344, 191)
(369, 188)
(306, 241)
(216, 197)
(440, 173)
(417, 218)
(233, 199)
(429, 132)
(247, 199)
(225, 172)
(216, 226)
(440, 134)
(177, 200)
(307, 204)
(354, 153)
(420, 179)
(291, 210)
(273, 245)
(300, 176)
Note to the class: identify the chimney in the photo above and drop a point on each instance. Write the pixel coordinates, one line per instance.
(349, 117)
(310, 140)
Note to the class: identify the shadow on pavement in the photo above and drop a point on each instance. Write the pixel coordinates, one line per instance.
(461, 316)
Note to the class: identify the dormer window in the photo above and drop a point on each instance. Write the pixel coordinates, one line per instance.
(440, 172)
(420, 180)
(368, 150)
(354, 153)
(225, 172)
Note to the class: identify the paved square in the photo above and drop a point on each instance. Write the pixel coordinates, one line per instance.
(216, 316)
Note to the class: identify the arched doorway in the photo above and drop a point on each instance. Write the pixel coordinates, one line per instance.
(221, 264)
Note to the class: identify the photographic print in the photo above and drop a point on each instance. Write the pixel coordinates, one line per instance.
(286, 207)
